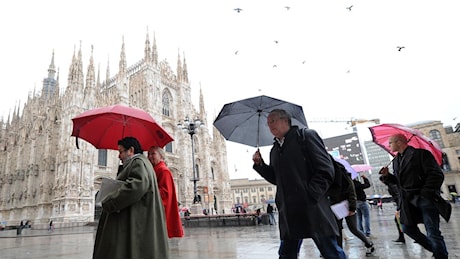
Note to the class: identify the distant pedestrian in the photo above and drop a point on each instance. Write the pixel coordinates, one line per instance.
(362, 207)
(271, 214)
(51, 227)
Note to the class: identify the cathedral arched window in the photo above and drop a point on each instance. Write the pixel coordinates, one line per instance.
(102, 157)
(436, 136)
(166, 103)
(168, 147)
(197, 171)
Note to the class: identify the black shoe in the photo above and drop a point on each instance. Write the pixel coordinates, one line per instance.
(400, 240)
(370, 250)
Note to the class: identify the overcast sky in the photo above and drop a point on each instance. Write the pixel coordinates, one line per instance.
(335, 62)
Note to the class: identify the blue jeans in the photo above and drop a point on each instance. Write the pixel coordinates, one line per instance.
(327, 246)
(362, 210)
(433, 240)
(272, 218)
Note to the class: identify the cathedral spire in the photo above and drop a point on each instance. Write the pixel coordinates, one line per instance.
(49, 83)
(184, 71)
(107, 73)
(179, 68)
(98, 79)
(203, 115)
(147, 51)
(80, 69)
(52, 69)
(90, 92)
(154, 51)
(122, 64)
(71, 74)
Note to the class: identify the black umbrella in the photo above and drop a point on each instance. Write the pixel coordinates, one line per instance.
(245, 121)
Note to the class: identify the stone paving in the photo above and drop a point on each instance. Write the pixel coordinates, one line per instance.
(228, 242)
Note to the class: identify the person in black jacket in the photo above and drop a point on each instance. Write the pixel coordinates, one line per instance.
(302, 180)
(419, 179)
(362, 207)
(348, 193)
(394, 192)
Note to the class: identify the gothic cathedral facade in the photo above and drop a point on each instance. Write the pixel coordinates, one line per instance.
(44, 176)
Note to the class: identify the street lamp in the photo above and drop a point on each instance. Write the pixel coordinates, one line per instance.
(191, 127)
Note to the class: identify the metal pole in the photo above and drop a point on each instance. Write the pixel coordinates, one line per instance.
(195, 192)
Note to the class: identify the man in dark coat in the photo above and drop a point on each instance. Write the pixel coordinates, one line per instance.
(419, 179)
(302, 181)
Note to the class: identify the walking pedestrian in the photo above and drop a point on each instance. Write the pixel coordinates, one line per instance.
(362, 207)
(51, 227)
(271, 214)
(419, 179)
(132, 224)
(302, 172)
(167, 190)
(347, 193)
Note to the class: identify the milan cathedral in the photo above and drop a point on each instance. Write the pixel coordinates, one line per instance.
(43, 176)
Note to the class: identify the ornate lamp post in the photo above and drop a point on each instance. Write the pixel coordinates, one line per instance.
(191, 127)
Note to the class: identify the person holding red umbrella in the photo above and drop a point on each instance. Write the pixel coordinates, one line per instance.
(132, 224)
(419, 178)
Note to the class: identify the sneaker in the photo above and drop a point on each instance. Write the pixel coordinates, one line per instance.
(370, 250)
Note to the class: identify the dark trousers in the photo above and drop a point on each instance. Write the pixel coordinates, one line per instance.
(433, 240)
(352, 226)
(327, 246)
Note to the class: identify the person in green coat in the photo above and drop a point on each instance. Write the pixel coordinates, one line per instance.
(132, 224)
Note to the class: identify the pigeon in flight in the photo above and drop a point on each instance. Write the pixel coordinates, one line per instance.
(274, 66)
(349, 8)
(238, 9)
(400, 48)
(276, 42)
(303, 62)
(236, 52)
(287, 7)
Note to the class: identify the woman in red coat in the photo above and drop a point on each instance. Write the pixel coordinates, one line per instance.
(167, 189)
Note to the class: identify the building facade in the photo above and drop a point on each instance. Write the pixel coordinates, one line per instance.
(252, 194)
(44, 176)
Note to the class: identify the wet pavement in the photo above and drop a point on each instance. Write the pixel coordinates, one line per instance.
(229, 242)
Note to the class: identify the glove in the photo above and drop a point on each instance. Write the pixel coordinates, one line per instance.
(427, 194)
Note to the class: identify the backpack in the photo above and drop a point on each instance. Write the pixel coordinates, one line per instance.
(338, 191)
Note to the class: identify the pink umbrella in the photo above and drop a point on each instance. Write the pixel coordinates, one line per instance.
(381, 135)
(361, 167)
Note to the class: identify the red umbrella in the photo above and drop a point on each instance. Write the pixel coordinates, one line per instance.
(382, 133)
(103, 127)
(361, 167)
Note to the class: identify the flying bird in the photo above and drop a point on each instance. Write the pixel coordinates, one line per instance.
(287, 7)
(238, 9)
(274, 66)
(236, 52)
(349, 8)
(303, 62)
(276, 42)
(400, 48)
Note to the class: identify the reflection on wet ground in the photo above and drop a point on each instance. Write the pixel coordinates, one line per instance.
(230, 242)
